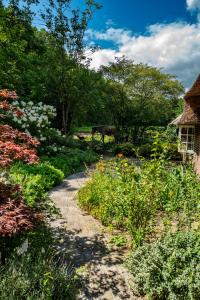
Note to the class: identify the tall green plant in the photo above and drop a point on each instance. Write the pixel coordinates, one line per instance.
(130, 197)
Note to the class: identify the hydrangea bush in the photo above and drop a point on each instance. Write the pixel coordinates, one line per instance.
(36, 120)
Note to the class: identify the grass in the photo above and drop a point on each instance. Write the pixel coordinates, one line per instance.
(83, 129)
(33, 271)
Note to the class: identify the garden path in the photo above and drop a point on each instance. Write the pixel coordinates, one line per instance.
(86, 243)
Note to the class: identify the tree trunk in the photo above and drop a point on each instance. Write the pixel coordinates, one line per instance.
(67, 115)
(64, 129)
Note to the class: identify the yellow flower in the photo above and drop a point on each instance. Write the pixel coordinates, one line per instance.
(195, 225)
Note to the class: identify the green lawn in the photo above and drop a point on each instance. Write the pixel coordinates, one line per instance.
(85, 129)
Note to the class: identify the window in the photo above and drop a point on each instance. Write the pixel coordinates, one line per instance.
(186, 135)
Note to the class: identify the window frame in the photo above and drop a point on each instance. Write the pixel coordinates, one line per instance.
(186, 142)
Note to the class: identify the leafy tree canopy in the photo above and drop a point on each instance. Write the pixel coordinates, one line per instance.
(140, 95)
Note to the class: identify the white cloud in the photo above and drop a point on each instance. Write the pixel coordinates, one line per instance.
(193, 4)
(174, 47)
(103, 57)
(116, 35)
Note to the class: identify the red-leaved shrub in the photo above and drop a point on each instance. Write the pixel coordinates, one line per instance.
(15, 216)
(14, 144)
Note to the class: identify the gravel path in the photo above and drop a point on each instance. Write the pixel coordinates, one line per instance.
(85, 241)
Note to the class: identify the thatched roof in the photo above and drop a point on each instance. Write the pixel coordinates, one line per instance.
(188, 117)
(195, 90)
(191, 113)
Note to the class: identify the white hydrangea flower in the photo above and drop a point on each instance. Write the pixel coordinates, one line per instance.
(38, 117)
(23, 248)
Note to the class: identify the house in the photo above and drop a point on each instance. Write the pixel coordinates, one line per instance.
(189, 125)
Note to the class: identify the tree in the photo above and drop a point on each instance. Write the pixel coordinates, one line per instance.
(49, 64)
(20, 50)
(67, 28)
(140, 95)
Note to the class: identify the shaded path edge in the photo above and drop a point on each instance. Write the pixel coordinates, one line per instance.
(85, 242)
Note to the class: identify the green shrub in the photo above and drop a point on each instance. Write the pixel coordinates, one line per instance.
(35, 180)
(76, 144)
(38, 179)
(169, 268)
(97, 146)
(127, 149)
(73, 160)
(145, 150)
(158, 143)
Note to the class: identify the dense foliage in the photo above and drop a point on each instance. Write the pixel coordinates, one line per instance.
(161, 139)
(140, 96)
(35, 180)
(169, 268)
(15, 216)
(128, 196)
(48, 67)
(73, 160)
(158, 203)
(14, 144)
(33, 271)
(40, 277)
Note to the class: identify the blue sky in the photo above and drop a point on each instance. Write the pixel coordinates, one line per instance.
(165, 34)
(136, 15)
